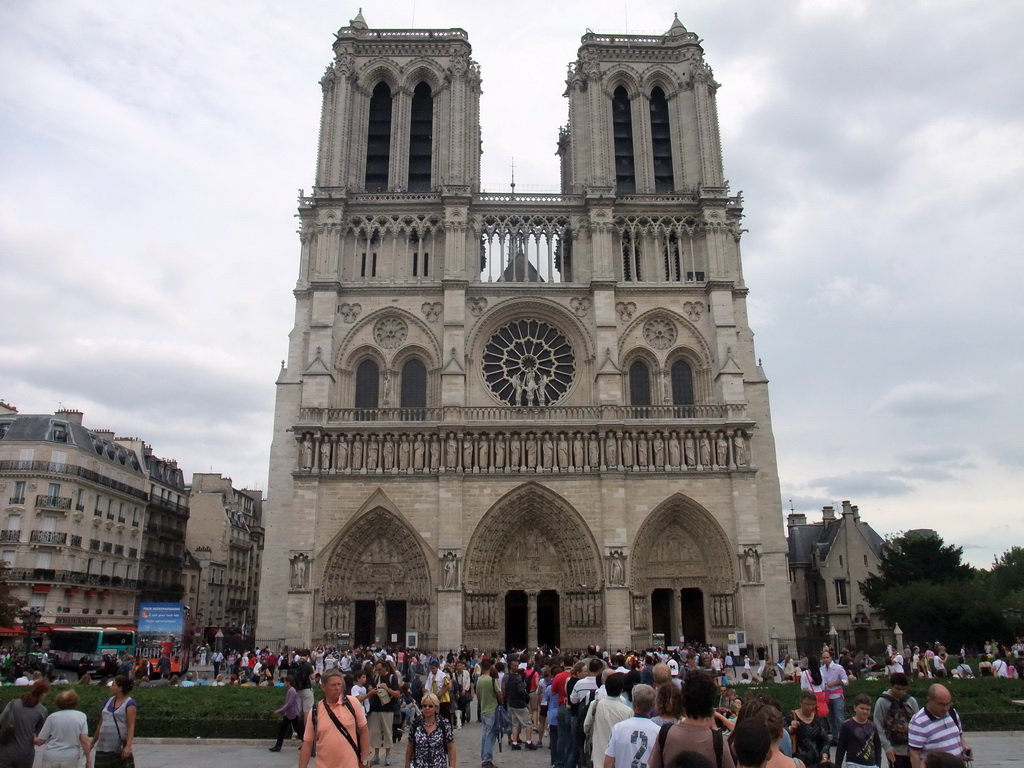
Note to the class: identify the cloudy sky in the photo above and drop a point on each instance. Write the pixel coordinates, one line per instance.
(150, 155)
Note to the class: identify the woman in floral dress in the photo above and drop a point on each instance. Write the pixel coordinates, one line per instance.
(431, 738)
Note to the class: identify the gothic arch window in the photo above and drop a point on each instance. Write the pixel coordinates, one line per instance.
(632, 258)
(413, 396)
(367, 384)
(421, 131)
(639, 384)
(622, 130)
(682, 383)
(661, 142)
(378, 139)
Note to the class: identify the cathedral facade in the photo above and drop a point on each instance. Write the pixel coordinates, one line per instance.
(512, 419)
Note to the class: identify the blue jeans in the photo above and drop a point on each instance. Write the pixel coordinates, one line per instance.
(836, 716)
(567, 752)
(553, 737)
(487, 739)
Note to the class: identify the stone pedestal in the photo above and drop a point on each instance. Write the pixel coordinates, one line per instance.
(617, 620)
(449, 619)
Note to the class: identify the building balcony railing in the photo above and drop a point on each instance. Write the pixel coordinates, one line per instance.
(56, 538)
(17, 500)
(151, 556)
(76, 541)
(165, 530)
(53, 502)
(70, 577)
(549, 414)
(10, 535)
(698, 438)
(70, 470)
(169, 505)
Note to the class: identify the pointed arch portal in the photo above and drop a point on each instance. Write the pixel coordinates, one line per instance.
(524, 591)
(377, 583)
(682, 575)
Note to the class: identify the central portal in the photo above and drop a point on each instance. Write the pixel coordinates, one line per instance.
(394, 621)
(517, 619)
(522, 592)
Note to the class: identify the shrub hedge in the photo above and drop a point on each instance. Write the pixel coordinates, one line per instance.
(248, 713)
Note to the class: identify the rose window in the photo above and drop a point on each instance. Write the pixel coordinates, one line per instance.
(528, 362)
(390, 332)
(660, 333)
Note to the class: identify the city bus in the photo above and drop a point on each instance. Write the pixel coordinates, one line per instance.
(69, 644)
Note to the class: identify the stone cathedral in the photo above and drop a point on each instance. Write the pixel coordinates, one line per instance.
(509, 420)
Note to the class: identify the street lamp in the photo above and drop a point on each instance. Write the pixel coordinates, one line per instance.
(30, 623)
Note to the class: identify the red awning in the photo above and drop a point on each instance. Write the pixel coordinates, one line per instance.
(42, 587)
(9, 631)
(71, 590)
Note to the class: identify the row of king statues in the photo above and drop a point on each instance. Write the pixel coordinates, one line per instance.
(486, 452)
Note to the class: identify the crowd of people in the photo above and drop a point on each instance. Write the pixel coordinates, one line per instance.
(648, 709)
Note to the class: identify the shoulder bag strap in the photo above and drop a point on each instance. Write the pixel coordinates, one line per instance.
(340, 727)
(717, 739)
(359, 747)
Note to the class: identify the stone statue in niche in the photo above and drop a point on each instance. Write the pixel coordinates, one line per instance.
(752, 565)
(307, 452)
(705, 450)
(739, 449)
(435, 452)
(450, 571)
(300, 572)
(611, 450)
(617, 573)
(451, 448)
(417, 454)
(722, 450)
(690, 450)
(341, 454)
(325, 453)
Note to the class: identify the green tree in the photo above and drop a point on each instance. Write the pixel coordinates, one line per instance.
(912, 557)
(10, 607)
(1008, 570)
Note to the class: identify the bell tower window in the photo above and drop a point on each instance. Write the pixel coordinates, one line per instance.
(421, 138)
(622, 128)
(378, 140)
(661, 142)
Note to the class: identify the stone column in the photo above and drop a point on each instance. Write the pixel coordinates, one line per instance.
(379, 624)
(532, 636)
(675, 613)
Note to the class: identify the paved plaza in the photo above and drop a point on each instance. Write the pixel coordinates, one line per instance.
(992, 750)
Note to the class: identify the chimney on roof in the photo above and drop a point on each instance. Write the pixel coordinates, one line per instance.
(828, 514)
(794, 519)
(6, 409)
(73, 416)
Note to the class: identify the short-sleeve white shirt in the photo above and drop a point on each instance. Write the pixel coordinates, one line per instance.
(632, 742)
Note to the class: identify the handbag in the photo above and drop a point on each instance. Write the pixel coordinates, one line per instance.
(821, 705)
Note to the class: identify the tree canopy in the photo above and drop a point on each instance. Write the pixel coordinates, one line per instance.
(10, 607)
(912, 557)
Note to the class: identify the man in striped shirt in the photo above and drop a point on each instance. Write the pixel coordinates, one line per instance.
(936, 728)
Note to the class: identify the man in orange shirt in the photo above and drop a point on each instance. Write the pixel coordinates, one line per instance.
(342, 741)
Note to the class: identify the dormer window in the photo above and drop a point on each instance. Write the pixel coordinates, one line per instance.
(60, 433)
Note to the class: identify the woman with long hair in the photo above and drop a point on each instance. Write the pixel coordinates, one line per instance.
(115, 731)
(20, 722)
